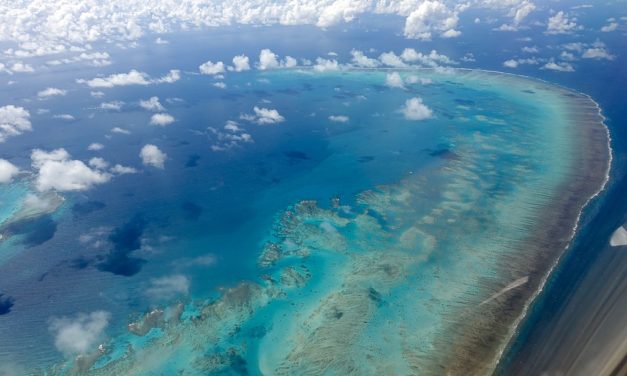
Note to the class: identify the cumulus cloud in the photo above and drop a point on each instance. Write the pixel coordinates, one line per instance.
(80, 334)
(361, 60)
(511, 63)
(414, 109)
(270, 60)
(432, 59)
(561, 23)
(394, 80)
(133, 77)
(13, 121)
(55, 170)
(431, 16)
(66, 117)
(151, 155)
(326, 65)
(162, 119)
(558, 66)
(7, 171)
(119, 130)
(51, 92)
(597, 52)
(168, 287)
(95, 147)
(20, 67)
(122, 170)
(111, 106)
(392, 60)
(263, 116)
(211, 68)
(240, 63)
(231, 137)
(339, 118)
(612, 26)
(152, 104)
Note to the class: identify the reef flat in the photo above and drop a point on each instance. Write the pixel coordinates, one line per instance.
(427, 275)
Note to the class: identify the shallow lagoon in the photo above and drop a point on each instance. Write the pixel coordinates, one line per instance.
(391, 242)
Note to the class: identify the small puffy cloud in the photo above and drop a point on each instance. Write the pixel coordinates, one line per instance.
(7, 171)
(111, 106)
(558, 66)
(361, 60)
(13, 121)
(270, 60)
(530, 49)
(81, 334)
(95, 147)
(431, 16)
(433, 59)
(240, 63)
(97, 94)
(122, 170)
(160, 40)
(264, 116)
(212, 68)
(51, 92)
(66, 117)
(220, 85)
(394, 80)
(168, 287)
(414, 109)
(98, 163)
(151, 104)
(339, 118)
(133, 77)
(151, 155)
(20, 67)
(392, 60)
(612, 26)
(326, 65)
(231, 137)
(119, 130)
(55, 170)
(598, 53)
(511, 63)
(162, 119)
(560, 23)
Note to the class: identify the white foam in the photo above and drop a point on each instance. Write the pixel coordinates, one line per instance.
(619, 237)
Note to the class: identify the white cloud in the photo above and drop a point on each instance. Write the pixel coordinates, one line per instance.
(361, 60)
(133, 77)
(560, 23)
(7, 171)
(151, 104)
(433, 59)
(339, 118)
(268, 60)
(13, 121)
(394, 80)
(97, 94)
(241, 63)
(152, 156)
(168, 287)
(558, 66)
(81, 334)
(530, 49)
(264, 116)
(51, 92)
(211, 68)
(220, 85)
(392, 60)
(98, 163)
(414, 109)
(289, 62)
(598, 53)
(232, 137)
(111, 106)
(612, 26)
(511, 63)
(121, 170)
(120, 130)
(429, 17)
(20, 67)
(162, 119)
(160, 40)
(55, 170)
(66, 117)
(95, 147)
(326, 65)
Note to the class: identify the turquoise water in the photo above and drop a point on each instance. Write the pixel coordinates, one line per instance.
(368, 246)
